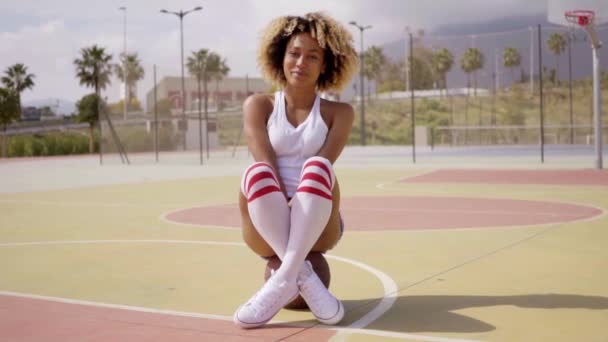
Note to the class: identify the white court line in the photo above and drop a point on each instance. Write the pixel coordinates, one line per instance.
(390, 293)
(115, 306)
(91, 204)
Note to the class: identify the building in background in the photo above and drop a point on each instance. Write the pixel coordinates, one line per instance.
(227, 93)
(30, 114)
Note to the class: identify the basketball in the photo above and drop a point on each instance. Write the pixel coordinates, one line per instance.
(319, 265)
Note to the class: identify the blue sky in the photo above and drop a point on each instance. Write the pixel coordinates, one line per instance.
(47, 35)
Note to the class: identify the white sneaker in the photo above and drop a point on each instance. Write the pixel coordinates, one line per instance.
(326, 308)
(265, 304)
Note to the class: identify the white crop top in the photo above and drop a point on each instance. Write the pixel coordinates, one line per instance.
(293, 145)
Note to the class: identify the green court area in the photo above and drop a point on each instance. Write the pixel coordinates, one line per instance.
(110, 245)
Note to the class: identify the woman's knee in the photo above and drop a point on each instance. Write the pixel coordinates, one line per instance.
(261, 172)
(319, 165)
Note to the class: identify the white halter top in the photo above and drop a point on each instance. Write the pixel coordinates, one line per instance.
(293, 145)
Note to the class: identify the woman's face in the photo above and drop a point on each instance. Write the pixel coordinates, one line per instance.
(303, 61)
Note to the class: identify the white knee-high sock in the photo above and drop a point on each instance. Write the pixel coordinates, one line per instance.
(268, 208)
(310, 211)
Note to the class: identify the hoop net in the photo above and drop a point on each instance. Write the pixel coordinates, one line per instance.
(584, 19)
(581, 18)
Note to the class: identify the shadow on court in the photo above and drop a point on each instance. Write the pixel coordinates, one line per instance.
(435, 313)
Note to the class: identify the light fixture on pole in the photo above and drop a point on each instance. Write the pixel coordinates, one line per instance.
(124, 61)
(181, 14)
(361, 86)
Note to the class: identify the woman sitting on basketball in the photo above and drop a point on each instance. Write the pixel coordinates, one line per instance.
(289, 197)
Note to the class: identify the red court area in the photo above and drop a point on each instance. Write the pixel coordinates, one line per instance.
(27, 319)
(417, 213)
(541, 177)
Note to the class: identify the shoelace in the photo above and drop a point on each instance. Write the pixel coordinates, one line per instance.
(318, 298)
(266, 298)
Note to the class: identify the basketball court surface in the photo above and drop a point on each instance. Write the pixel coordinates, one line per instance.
(452, 248)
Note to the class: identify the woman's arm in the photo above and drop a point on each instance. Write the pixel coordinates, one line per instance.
(256, 110)
(343, 117)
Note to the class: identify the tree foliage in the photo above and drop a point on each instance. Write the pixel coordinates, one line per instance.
(556, 44)
(207, 65)
(511, 59)
(88, 109)
(93, 68)
(17, 79)
(472, 61)
(129, 71)
(9, 107)
(443, 60)
(374, 62)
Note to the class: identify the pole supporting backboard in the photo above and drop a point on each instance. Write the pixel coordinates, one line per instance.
(585, 14)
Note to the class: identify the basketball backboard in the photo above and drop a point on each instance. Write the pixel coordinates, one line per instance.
(557, 8)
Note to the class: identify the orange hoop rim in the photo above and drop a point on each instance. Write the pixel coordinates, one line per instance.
(580, 17)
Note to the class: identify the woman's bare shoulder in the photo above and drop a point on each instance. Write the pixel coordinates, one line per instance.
(336, 108)
(259, 103)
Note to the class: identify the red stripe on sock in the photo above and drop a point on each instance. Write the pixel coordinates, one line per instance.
(263, 191)
(258, 177)
(314, 191)
(316, 177)
(323, 166)
(254, 166)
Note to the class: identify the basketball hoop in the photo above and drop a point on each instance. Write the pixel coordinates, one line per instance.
(584, 19)
(580, 17)
(591, 13)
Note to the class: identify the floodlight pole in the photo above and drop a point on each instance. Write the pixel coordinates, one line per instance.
(532, 61)
(362, 90)
(540, 87)
(412, 99)
(181, 14)
(124, 62)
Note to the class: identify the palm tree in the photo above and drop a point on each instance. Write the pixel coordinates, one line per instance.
(217, 68)
(197, 66)
(443, 60)
(469, 64)
(134, 72)
(93, 70)
(374, 61)
(466, 64)
(17, 80)
(475, 61)
(9, 112)
(511, 59)
(557, 45)
(88, 112)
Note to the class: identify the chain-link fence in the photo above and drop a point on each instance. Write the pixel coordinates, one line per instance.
(474, 89)
(161, 128)
(484, 88)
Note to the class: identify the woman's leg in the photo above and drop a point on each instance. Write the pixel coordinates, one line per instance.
(264, 211)
(322, 303)
(311, 209)
(328, 239)
(269, 213)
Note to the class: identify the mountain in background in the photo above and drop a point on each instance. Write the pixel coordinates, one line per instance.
(491, 38)
(59, 106)
(497, 25)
